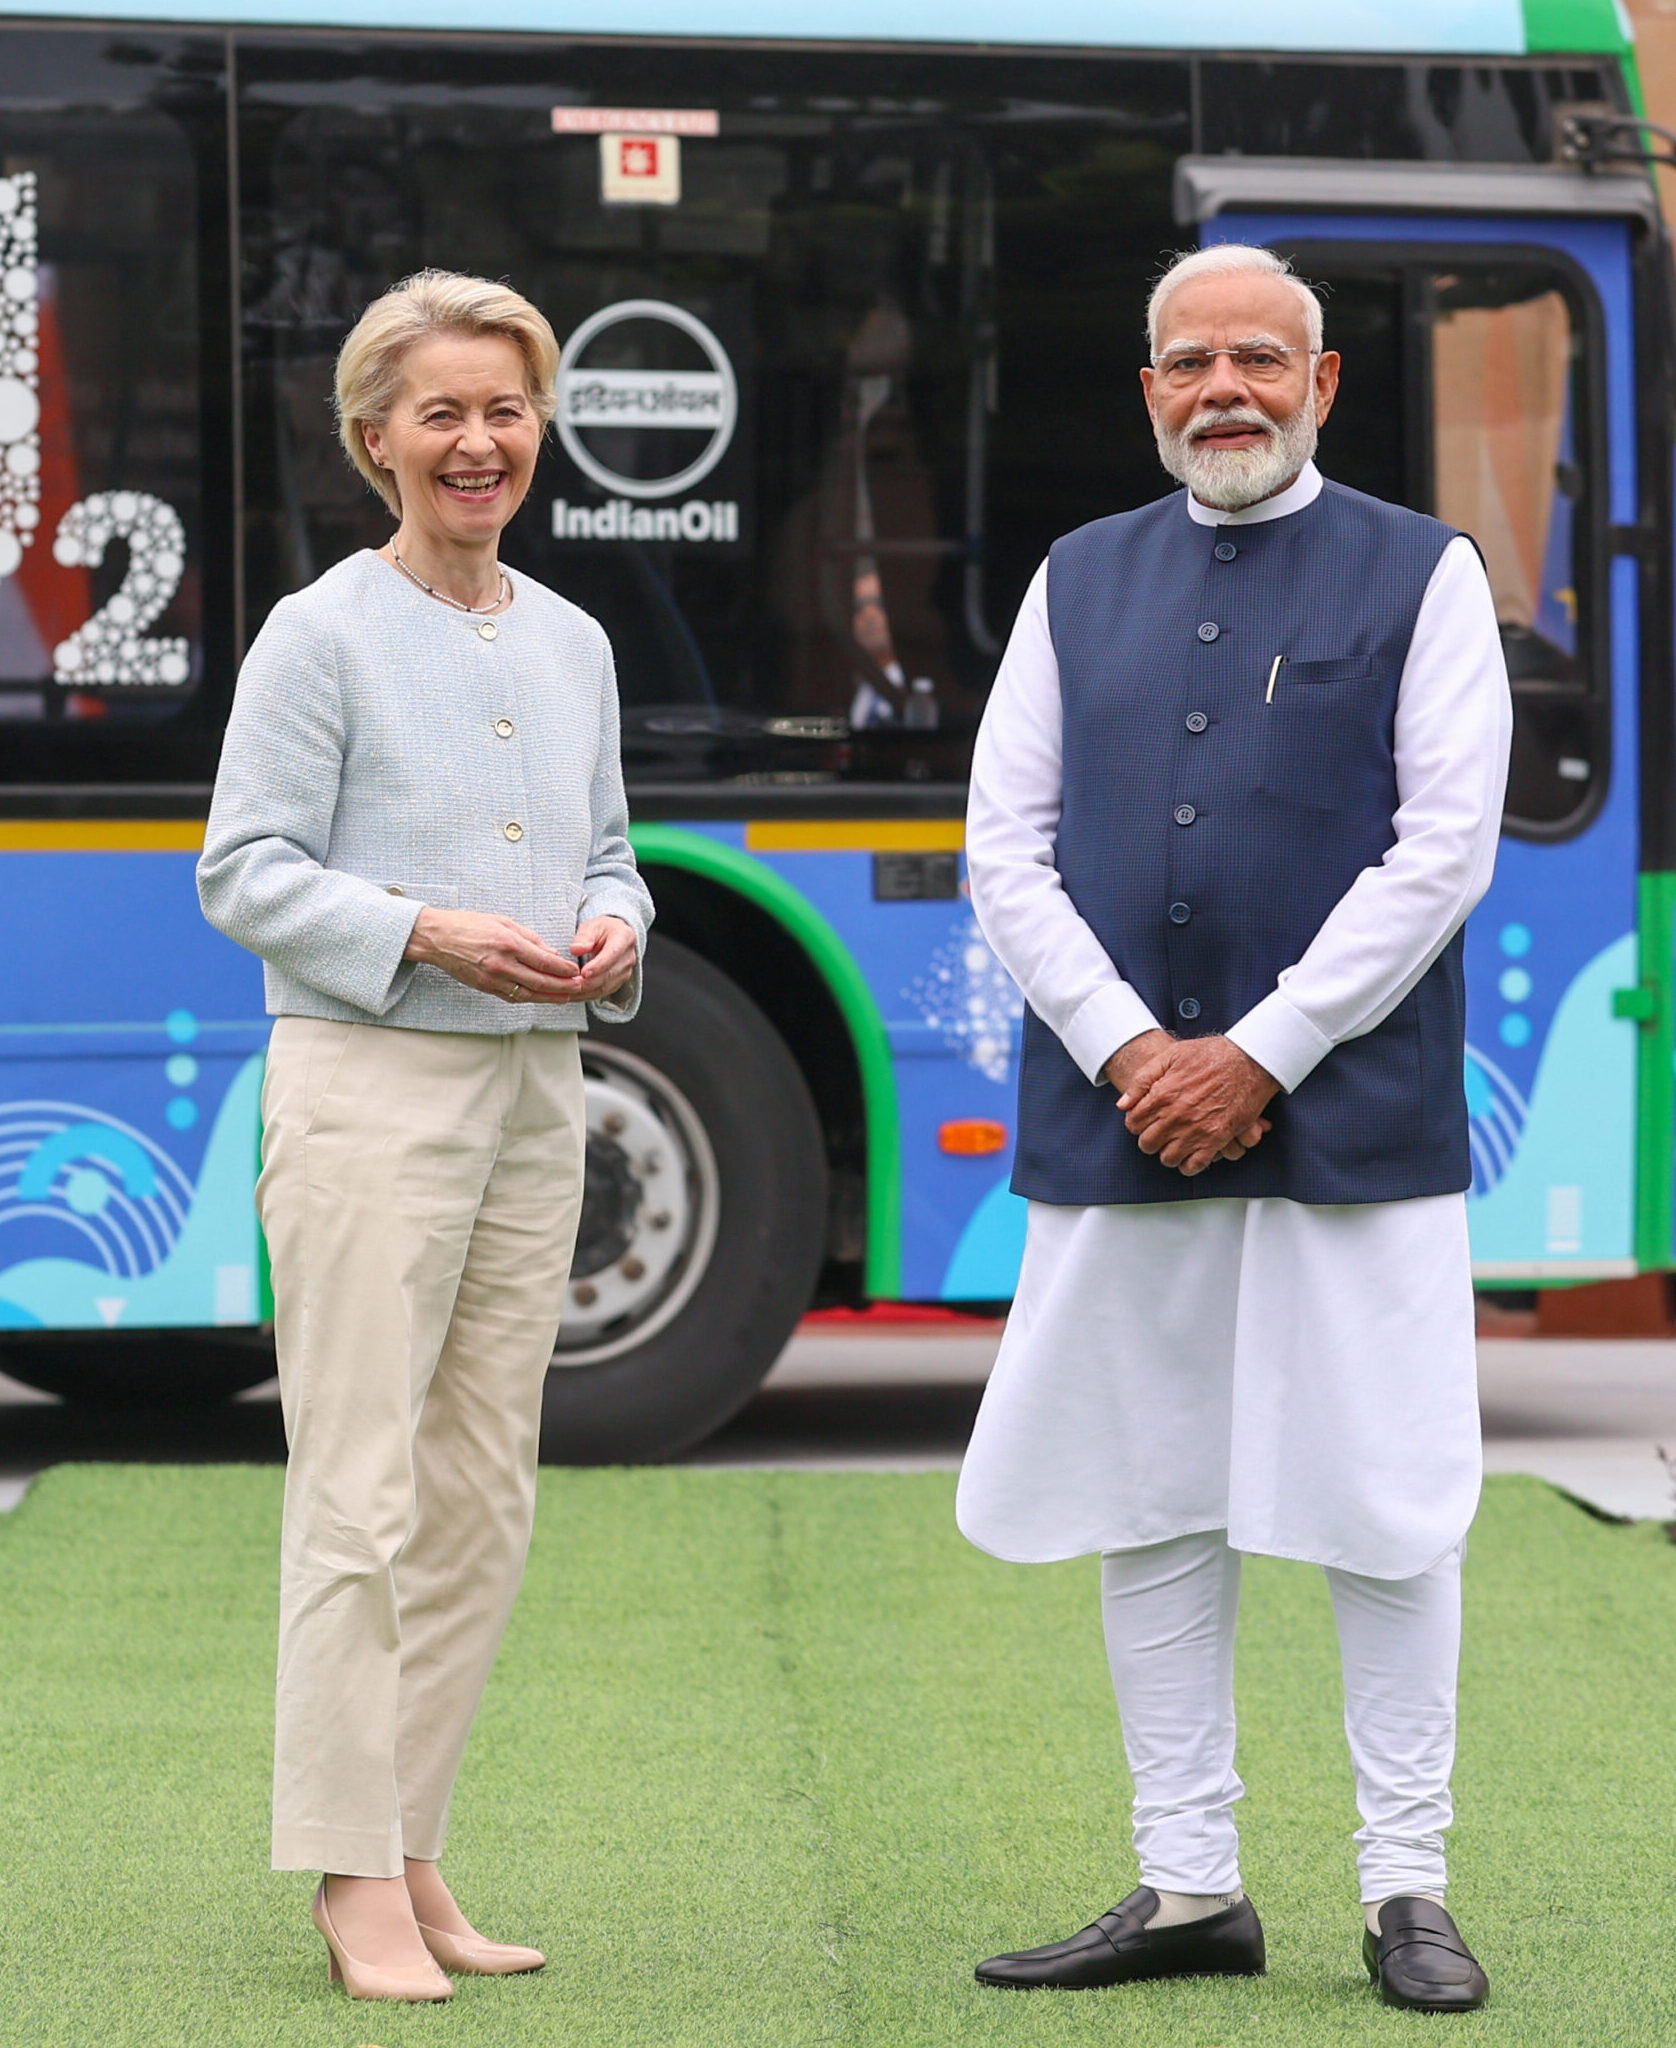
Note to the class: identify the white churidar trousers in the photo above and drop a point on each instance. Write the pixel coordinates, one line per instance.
(1303, 1378)
(1169, 1613)
(420, 1193)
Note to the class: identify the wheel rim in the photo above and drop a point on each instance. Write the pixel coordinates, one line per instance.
(650, 1207)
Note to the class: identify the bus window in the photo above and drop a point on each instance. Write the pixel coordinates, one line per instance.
(100, 569)
(1471, 391)
(1488, 113)
(1506, 470)
(904, 323)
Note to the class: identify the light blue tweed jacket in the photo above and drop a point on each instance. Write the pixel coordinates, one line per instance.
(382, 756)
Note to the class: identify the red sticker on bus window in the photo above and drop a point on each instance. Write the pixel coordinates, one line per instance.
(640, 170)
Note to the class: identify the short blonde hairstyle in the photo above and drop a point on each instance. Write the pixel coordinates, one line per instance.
(371, 363)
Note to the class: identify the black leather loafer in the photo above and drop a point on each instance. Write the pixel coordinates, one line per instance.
(1119, 1949)
(1420, 1962)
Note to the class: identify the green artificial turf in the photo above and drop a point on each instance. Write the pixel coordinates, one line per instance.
(772, 1760)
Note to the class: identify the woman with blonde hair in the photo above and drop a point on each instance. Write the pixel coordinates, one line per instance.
(419, 824)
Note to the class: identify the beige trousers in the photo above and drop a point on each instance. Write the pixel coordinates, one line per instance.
(420, 1192)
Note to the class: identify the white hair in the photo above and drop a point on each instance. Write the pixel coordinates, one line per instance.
(1229, 259)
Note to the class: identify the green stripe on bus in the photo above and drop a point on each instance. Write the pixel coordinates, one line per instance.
(1575, 25)
(1655, 1077)
(833, 960)
(264, 1265)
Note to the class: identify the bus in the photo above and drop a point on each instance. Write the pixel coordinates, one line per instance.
(851, 302)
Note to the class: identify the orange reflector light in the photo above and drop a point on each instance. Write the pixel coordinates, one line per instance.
(971, 1136)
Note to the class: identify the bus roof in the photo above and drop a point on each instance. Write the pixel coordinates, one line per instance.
(1372, 27)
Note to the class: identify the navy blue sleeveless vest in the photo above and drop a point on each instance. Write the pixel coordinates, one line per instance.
(1206, 833)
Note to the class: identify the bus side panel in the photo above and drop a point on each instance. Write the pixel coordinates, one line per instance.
(952, 1014)
(1551, 1070)
(129, 1080)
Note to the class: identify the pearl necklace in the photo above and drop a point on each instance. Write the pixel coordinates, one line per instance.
(472, 611)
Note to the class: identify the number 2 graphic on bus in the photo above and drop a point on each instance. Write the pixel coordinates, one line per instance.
(111, 647)
(20, 404)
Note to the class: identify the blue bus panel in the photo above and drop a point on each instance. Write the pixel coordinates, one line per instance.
(128, 1100)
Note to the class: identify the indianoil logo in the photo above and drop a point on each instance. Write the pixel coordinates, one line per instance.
(640, 385)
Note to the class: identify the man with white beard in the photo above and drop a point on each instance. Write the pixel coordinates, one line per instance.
(1237, 787)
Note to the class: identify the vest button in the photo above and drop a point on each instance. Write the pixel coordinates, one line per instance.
(1179, 913)
(505, 728)
(514, 831)
(1185, 814)
(1209, 631)
(1188, 1007)
(1196, 721)
(1226, 551)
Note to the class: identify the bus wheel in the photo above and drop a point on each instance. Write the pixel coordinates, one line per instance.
(703, 1221)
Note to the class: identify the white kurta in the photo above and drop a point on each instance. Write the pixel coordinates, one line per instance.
(1303, 1377)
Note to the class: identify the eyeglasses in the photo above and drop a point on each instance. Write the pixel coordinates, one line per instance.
(1258, 362)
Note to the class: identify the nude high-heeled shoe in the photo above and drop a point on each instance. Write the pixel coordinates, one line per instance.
(474, 1956)
(416, 1984)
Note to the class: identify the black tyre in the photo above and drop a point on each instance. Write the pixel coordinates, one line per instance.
(140, 1368)
(703, 1222)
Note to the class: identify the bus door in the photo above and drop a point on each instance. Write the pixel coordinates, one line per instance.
(1487, 322)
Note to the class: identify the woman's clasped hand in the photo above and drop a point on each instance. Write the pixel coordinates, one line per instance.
(504, 958)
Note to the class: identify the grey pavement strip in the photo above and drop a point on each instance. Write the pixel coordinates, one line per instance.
(1616, 1476)
(895, 1356)
(14, 1394)
(1587, 1416)
(1599, 1387)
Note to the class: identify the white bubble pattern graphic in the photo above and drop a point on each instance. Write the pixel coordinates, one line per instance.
(20, 440)
(111, 647)
(128, 1235)
(967, 995)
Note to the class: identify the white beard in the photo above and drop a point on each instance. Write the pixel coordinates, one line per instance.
(1232, 478)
